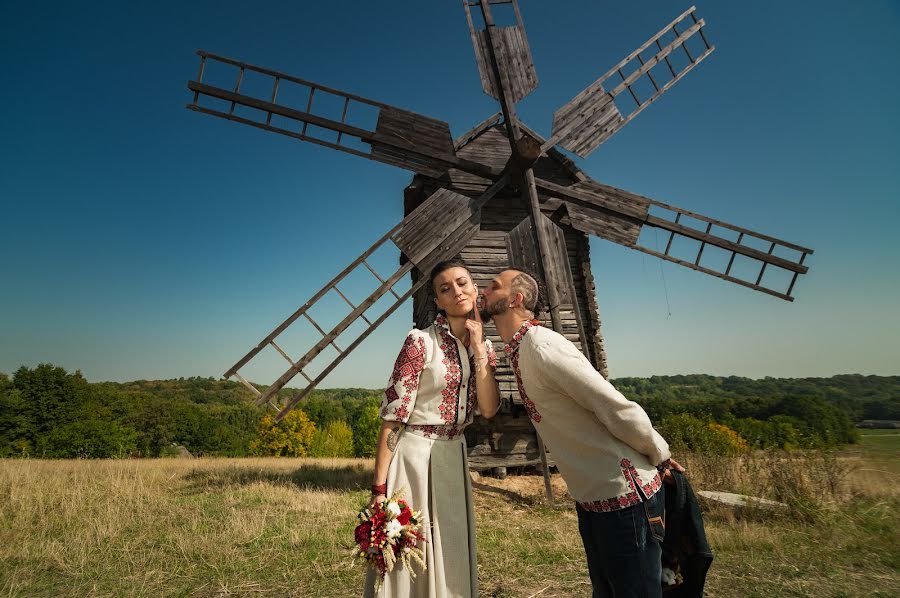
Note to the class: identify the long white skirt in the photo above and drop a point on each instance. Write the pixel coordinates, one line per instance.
(435, 475)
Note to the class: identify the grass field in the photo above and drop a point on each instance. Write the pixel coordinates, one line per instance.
(282, 527)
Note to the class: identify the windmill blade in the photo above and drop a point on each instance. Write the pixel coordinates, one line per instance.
(401, 138)
(508, 46)
(439, 228)
(769, 265)
(595, 114)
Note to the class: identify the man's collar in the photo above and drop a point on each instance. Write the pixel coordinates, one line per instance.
(513, 345)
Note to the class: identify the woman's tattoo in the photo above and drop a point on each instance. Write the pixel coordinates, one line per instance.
(393, 438)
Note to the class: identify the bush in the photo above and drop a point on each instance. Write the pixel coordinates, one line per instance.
(688, 433)
(779, 432)
(335, 440)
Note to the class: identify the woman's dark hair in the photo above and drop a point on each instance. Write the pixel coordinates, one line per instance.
(446, 265)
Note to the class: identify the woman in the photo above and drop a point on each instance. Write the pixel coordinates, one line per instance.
(441, 375)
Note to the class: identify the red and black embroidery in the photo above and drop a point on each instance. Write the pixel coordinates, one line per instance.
(450, 394)
(630, 498)
(512, 349)
(448, 432)
(491, 355)
(530, 407)
(513, 345)
(611, 504)
(634, 479)
(410, 363)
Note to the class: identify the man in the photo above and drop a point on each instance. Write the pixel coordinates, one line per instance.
(603, 444)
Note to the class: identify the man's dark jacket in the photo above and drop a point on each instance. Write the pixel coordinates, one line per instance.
(685, 545)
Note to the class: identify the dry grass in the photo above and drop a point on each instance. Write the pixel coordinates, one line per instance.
(281, 527)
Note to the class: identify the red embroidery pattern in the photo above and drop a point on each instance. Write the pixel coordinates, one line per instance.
(448, 432)
(450, 403)
(492, 356)
(410, 363)
(512, 349)
(513, 345)
(634, 479)
(611, 504)
(530, 407)
(628, 499)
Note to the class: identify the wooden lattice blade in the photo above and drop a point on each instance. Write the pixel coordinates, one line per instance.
(509, 50)
(399, 137)
(436, 230)
(596, 113)
(620, 216)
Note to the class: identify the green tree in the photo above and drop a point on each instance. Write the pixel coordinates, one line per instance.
(291, 437)
(366, 426)
(155, 426)
(335, 440)
(89, 439)
(16, 426)
(52, 396)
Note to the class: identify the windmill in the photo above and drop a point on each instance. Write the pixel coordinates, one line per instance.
(499, 193)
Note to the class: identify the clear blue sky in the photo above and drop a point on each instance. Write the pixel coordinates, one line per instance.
(142, 240)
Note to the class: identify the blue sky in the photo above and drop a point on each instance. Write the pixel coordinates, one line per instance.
(142, 240)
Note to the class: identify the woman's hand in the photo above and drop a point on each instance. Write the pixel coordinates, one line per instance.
(376, 498)
(475, 329)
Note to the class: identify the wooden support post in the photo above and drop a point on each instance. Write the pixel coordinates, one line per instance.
(509, 114)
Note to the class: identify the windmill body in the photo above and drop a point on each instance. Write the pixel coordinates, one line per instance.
(498, 195)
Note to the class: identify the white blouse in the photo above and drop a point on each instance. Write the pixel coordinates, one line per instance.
(432, 389)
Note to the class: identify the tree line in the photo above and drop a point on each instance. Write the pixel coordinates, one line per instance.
(51, 413)
(48, 412)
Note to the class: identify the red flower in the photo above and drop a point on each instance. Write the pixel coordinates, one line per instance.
(362, 533)
(404, 516)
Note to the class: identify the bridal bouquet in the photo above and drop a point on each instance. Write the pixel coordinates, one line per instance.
(388, 535)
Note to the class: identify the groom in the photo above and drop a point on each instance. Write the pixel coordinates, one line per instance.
(604, 445)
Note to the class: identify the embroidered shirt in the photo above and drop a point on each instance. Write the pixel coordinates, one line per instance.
(432, 387)
(604, 445)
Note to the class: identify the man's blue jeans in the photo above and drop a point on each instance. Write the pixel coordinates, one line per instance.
(624, 558)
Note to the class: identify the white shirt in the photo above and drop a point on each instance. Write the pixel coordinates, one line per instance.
(603, 444)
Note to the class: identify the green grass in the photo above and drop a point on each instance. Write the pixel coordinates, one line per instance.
(282, 527)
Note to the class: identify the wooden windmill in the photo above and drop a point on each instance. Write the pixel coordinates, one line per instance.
(499, 194)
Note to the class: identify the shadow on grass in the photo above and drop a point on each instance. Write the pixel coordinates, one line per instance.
(510, 496)
(311, 476)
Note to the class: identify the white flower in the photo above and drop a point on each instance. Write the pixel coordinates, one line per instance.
(393, 528)
(392, 509)
(668, 576)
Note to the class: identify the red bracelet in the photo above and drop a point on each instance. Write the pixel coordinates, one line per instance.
(379, 489)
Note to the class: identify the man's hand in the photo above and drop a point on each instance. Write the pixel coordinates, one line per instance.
(668, 478)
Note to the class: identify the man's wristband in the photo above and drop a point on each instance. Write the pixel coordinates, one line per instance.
(378, 489)
(664, 465)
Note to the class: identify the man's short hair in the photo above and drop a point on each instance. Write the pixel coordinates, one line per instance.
(528, 284)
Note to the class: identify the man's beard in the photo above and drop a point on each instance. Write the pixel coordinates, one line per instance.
(493, 309)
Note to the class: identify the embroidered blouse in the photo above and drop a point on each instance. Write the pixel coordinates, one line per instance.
(603, 444)
(432, 388)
